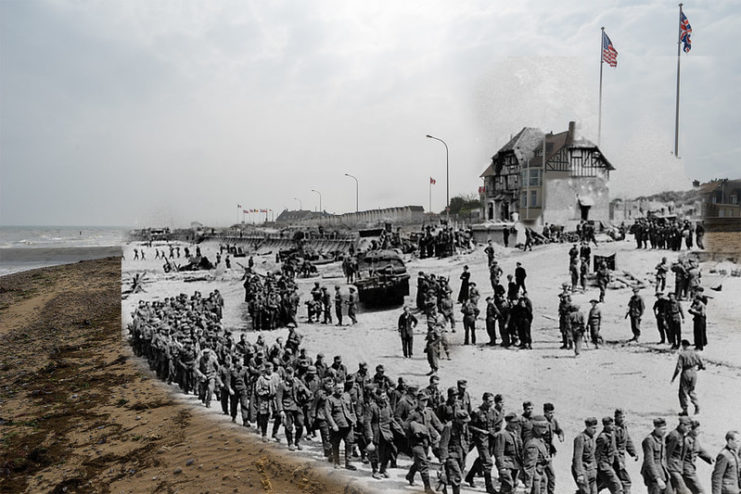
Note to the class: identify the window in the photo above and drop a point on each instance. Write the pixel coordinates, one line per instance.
(533, 198)
(523, 199)
(734, 199)
(531, 176)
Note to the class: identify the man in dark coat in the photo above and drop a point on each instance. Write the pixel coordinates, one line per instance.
(407, 323)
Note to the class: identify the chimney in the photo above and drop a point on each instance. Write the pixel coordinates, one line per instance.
(572, 133)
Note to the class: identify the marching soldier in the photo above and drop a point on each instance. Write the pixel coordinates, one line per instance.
(675, 453)
(584, 463)
(725, 479)
(624, 444)
(606, 457)
(422, 427)
(341, 417)
(536, 458)
(290, 396)
(482, 431)
(508, 450)
(693, 450)
(554, 429)
(379, 433)
(654, 472)
(454, 441)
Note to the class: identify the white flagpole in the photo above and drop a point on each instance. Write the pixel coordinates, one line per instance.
(601, 63)
(676, 114)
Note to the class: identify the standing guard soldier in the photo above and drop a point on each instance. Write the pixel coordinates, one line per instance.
(654, 471)
(660, 309)
(338, 304)
(432, 348)
(687, 363)
(584, 463)
(636, 308)
(594, 320)
(624, 444)
(606, 456)
(536, 458)
(352, 305)
(697, 309)
(469, 322)
(454, 440)
(661, 269)
(446, 309)
(326, 306)
(576, 322)
(603, 279)
(407, 323)
(674, 319)
(508, 453)
(492, 314)
(564, 308)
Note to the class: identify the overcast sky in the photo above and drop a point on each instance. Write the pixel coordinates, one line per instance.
(151, 112)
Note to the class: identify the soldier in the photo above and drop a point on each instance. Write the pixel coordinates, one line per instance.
(492, 314)
(454, 441)
(603, 279)
(574, 272)
(564, 308)
(352, 305)
(489, 250)
(379, 425)
(433, 391)
(674, 319)
(464, 399)
(341, 417)
(654, 472)
(553, 429)
(508, 450)
(293, 341)
(225, 379)
(536, 458)
(659, 308)
(693, 450)
(661, 269)
(636, 308)
(326, 306)
(522, 315)
(469, 322)
(338, 304)
(432, 348)
(584, 463)
(623, 444)
(726, 476)
(446, 309)
(576, 322)
(482, 431)
(207, 372)
(687, 363)
(318, 415)
(463, 293)
(606, 456)
(265, 388)
(583, 269)
(594, 320)
(675, 453)
(291, 394)
(697, 309)
(423, 428)
(495, 272)
(520, 275)
(406, 325)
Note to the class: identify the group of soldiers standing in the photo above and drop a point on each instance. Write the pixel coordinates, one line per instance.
(661, 234)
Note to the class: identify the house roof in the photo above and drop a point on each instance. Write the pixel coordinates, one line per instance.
(555, 142)
(521, 144)
(714, 185)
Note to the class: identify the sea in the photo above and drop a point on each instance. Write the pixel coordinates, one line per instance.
(31, 247)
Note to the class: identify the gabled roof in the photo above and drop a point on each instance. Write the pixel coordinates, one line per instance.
(556, 142)
(522, 145)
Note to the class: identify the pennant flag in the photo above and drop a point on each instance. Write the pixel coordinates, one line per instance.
(433, 181)
(609, 53)
(685, 31)
(239, 206)
(245, 211)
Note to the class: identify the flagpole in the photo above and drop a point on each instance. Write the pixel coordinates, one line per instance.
(676, 114)
(601, 63)
(430, 206)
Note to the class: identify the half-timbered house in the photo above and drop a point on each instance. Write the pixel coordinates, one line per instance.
(568, 185)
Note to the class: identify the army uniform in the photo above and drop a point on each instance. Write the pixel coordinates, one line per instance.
(606, 456)
(675, 453)
(654, 468)
(265, 388)
(422, 428)
(326, 306)
(687, 363)
(660, 309)
(636, 308)
(338, 305)
(318, 417)
(624, 444)
(352, 306)
(594, 320)
(469, 322)
(341, 417)
(699, 323)
(291, 394)
(239, 377)
(584, 463)
(535, 460)
(674, 318)
(379, 425)
(454, 441)
(508, 451)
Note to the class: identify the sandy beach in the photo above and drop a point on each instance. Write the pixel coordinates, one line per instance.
(79, 414)
(635, 377)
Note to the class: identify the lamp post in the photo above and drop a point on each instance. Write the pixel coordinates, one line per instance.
(320, 199)
(447, 176)
(356, 190)
(300, 205)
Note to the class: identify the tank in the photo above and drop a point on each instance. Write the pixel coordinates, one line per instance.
(383, 279)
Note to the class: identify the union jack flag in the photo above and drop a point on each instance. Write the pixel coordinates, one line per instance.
(684, 32)
(609, 53)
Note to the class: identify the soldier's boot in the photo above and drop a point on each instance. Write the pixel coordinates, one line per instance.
(469, 476)
(426, 482)
(289, 440)
(410, 476)
(348, 465)
(488, 483)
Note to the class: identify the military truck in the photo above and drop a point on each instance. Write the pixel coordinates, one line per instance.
(382, 278)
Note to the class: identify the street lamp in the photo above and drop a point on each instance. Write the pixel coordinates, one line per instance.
(356, 190)
(320, 199)
(447, 176)
(300, 205)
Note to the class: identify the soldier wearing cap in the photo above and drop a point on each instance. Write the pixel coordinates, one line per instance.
(675, 453)
(326, 299)
(381, 380)
(341, 418)
(584, 463)
(674, 318)
(379, 426)
(338, 302)
(482, 432)
(693, 450)
(554, 429)
(352, 305)
(594, 320)
(454, 440)
(265, 388)
(318, 414)
(660, 308)
(492, 314)
(508, 449)
(687, 363)
(636, 307)
(536, 458)
(293, 341)
(699, 319)
(726, 475)
(606, 456)
(423, 429)
(406, 324)
(624, 444)
(464, 399)
(654, 472)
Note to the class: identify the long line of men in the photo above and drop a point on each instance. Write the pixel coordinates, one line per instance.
(662, 234)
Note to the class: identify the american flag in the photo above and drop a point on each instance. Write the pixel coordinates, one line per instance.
(685, 31)
(609, 53)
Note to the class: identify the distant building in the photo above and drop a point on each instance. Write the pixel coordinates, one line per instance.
(395, 215)
(570, 185)
(722, 198)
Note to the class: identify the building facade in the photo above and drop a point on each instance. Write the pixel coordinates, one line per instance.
(547, 178)
(722, 198)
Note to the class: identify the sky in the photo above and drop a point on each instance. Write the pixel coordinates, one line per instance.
(154, 112)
